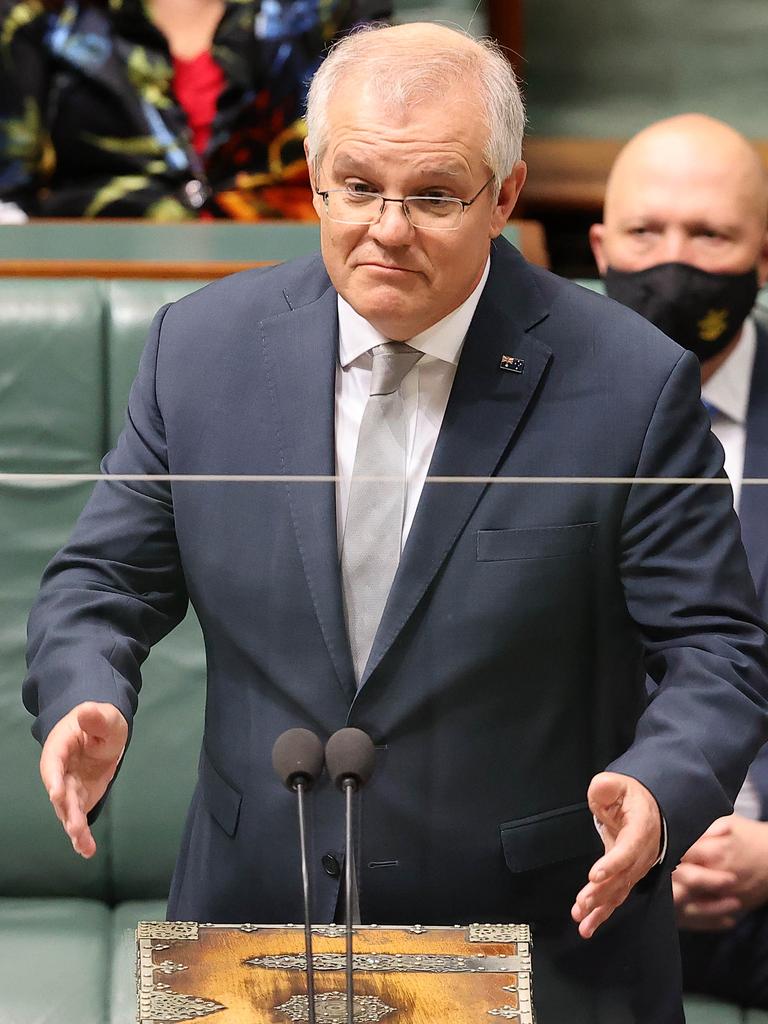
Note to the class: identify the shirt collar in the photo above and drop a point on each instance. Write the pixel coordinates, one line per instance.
(443, 340)
(728, 387)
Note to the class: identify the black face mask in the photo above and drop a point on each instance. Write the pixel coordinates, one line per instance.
(702, 312)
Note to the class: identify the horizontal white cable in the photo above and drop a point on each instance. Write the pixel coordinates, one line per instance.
(238, 478)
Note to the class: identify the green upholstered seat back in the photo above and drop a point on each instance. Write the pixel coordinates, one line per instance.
(52, 364)
(68, 352)
(148, 803)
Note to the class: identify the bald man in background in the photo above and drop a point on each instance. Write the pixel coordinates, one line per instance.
(683, 242)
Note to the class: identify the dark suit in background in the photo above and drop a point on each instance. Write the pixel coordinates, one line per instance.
(510, 662)
(733, 964)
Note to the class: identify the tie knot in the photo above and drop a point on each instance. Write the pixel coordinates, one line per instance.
(391, 362)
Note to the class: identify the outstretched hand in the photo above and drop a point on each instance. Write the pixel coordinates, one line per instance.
(630, 823)
(78, 762)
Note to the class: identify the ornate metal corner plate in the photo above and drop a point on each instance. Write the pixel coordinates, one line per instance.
(158, 1003)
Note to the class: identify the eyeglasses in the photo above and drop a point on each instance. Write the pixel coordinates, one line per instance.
(433, 213)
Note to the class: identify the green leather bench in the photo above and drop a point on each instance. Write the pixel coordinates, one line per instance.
(68, 351)
(199, 250)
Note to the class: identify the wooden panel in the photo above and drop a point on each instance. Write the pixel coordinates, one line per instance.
(570, 173)
(505, 24)
(145, 269)
(567, 173)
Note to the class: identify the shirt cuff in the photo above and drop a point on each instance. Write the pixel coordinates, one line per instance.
(662, 844)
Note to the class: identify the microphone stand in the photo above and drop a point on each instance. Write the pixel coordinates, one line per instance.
(297, 757)
(350, 758)
(299, 786)
(349, 790)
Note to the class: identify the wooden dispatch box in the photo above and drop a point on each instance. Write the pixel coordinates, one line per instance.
(255, 974)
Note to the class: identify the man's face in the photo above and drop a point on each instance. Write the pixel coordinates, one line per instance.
(683, 204)
(400, 278)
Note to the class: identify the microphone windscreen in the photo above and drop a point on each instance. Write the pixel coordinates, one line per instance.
(297, 755)
(350, 754)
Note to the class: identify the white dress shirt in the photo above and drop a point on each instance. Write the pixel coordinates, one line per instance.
(728, 391)
(425, 392)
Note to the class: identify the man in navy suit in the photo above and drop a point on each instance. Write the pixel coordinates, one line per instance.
(683, 241)
(504, 681)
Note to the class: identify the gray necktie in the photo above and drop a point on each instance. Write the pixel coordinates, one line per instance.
(373, 530)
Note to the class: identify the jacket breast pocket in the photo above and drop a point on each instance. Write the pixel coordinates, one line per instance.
(535, 542)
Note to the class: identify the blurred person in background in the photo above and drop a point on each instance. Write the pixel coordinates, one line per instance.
(683, 242)
(164, 109)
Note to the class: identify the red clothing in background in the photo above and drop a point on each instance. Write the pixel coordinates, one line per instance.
(197, 84)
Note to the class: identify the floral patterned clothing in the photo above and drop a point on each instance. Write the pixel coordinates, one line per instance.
(90, 124)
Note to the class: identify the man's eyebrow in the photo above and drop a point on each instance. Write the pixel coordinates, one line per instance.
(348, 163)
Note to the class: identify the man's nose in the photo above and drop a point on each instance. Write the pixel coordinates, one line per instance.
(393, 227)
(675, 247)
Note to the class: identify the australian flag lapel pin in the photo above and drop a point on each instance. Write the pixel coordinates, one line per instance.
(512, 364)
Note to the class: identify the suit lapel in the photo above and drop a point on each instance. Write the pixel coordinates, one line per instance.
(753, 507)
(300, 350)
(484, 411)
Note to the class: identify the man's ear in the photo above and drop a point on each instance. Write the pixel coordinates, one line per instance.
(310, 165)
(508, 194)
(596, 241)
(317, 202)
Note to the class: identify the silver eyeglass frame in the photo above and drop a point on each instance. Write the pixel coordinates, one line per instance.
(463, 205)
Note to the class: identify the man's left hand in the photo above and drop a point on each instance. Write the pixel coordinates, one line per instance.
(630, 823)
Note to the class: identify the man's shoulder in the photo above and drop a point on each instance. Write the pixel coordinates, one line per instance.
(576, 322)
(583, 321)
(261, 293)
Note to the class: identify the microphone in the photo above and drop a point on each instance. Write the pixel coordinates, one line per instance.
(349, 757)
(297, 757)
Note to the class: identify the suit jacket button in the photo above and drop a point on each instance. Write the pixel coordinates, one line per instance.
(331, 865)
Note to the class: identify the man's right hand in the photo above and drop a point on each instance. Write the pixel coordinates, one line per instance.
(78, 762)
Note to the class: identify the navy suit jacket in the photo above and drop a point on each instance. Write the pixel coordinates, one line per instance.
(510, 662)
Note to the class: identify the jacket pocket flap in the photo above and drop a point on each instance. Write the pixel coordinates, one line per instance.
(535, 542)
(542, 839)
(222, 799)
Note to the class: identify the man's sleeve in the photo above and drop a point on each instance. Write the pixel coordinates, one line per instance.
(117, 587)
(689, 591)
